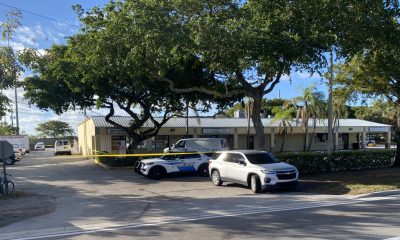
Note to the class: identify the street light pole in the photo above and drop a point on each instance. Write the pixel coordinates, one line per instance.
(330, 108)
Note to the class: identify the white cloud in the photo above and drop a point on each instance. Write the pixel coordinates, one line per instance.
(285, 78)
(307, 75)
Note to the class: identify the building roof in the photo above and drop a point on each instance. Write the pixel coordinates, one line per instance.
(229, 122)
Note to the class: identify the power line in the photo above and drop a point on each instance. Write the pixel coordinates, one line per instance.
(40, 15)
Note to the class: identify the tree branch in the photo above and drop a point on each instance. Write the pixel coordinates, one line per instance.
(276, 81)
(243, 81)
(227, 94)
(110, 114)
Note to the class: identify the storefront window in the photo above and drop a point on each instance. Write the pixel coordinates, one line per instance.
(321, 137)
(160, 142)
(118, 144)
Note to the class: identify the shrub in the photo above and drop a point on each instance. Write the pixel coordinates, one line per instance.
(354, 160)
(307, 162)
(316, 162)
(116, 161)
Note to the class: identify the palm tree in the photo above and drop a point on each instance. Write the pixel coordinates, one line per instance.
(284, 115)
(311, 105)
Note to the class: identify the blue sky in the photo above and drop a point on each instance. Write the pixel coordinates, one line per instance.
(42, 32)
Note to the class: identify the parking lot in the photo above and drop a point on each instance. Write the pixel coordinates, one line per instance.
(91, 200)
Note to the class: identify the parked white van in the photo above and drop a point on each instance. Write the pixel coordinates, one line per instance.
(62, 147)
(198, 145)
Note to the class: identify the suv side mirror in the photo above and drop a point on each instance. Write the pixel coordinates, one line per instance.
(242, 162)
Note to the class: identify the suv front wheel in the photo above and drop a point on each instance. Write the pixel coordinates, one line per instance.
(216, 178)
(255, 184)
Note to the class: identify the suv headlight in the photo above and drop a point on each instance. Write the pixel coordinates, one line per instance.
(268, 171)
(148, 164)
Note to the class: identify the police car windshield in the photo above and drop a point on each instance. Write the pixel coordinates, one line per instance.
(261, 158)
(168, 157)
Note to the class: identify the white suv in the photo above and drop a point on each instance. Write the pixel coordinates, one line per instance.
(157, 168)
(257, 169)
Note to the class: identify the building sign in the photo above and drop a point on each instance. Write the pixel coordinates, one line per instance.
(116, 131)
(378, 129)
(216, 130)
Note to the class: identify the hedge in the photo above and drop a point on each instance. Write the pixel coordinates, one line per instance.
(116, 161)
(315, 162)
(305, 162)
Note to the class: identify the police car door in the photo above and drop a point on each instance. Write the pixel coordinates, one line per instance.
(171, 162)
(187, 162)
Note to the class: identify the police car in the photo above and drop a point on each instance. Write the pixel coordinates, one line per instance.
(156, 168)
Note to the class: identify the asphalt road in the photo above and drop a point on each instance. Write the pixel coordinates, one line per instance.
(93, 203)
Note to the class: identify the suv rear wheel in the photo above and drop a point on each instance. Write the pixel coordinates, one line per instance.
(216, 178)
(255, 184)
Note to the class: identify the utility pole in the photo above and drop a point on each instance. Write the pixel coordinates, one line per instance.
(12, 118)
(187, 118)
(330, 108)
(248, 124)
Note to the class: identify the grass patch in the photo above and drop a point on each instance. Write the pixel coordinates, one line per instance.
(352, 182)
(14, 195)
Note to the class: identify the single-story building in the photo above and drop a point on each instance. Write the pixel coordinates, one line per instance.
(95, 134)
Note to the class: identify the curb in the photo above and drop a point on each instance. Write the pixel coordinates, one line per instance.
(378, 194)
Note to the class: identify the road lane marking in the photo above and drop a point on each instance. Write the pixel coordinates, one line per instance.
(197, 218)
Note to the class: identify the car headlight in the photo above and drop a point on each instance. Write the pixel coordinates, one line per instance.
(268, 171)
(148, 164)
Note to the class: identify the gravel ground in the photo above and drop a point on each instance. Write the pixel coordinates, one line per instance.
(21, 206)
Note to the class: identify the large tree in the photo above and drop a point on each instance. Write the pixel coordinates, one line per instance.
(9, 66)
(376, 73)
(7, 129)
(54, 129)
(266, 106)
(115, 61)
(250, 45)
(380, 111)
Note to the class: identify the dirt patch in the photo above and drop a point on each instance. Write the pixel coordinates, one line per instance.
(19, 206)
(352, 182)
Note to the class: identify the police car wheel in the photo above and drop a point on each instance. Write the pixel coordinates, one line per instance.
(203, 170)
(157, 173)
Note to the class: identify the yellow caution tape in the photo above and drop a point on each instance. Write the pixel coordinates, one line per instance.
(143, 154)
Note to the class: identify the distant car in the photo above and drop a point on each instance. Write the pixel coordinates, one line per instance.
(198, 145)
(39, 146)
(157, 168)
(13, 158)
(258, 170)
(371, 140)
(62, 147)
(18, 149)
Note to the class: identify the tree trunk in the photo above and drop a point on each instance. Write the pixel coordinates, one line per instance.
(312, 137)
(133, 143)
(258, 126)
(283, 139)
(397, 158)
(305, 136)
